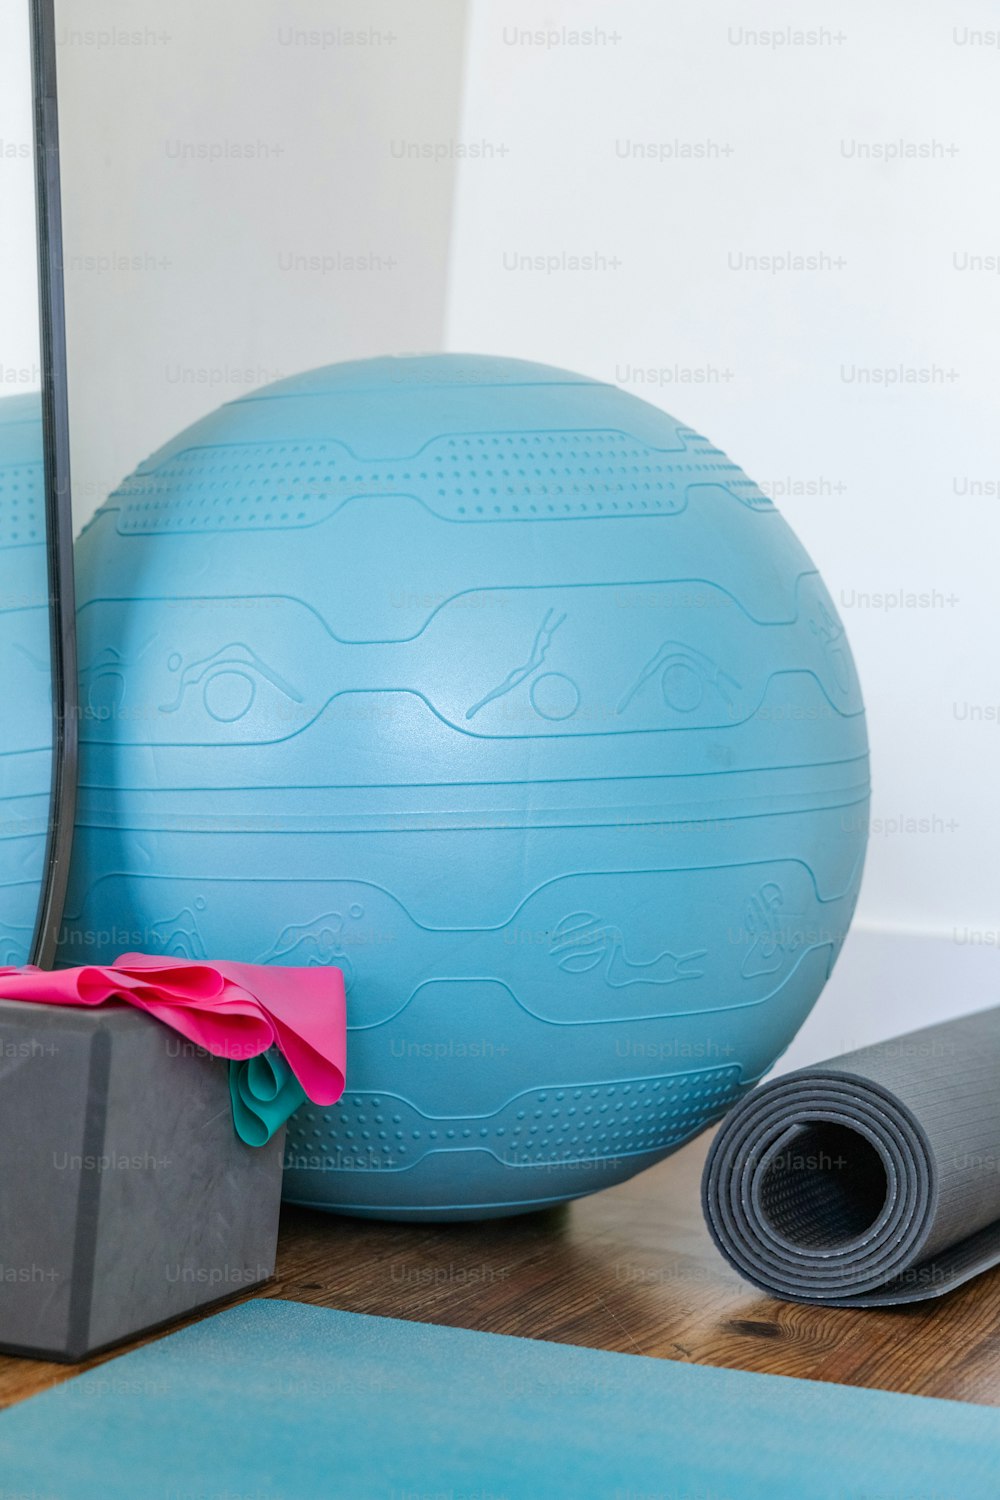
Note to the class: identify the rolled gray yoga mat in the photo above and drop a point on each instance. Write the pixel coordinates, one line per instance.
(868, 1180)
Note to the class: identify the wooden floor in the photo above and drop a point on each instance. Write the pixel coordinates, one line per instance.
(631, 1269)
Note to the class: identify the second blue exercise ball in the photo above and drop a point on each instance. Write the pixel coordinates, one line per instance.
(25, 675)
(513, 697)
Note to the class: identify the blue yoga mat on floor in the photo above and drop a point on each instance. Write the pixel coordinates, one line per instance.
(277, 1401)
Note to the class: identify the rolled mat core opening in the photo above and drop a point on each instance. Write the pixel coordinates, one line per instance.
(822, 1187)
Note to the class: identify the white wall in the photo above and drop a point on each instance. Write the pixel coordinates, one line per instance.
(761, 361)
(233, 206)
(19, 357)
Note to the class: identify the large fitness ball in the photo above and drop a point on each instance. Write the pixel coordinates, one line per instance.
(513, 697)
(25, 674)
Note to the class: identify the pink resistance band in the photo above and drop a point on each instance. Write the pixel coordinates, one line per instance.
(233, 1010)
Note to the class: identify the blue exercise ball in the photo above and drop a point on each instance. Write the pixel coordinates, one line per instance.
(25, 674)
(513, 697)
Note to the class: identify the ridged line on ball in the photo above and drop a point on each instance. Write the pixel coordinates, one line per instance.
(767, 1122)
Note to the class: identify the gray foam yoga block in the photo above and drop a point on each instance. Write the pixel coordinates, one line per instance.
(126, 1198)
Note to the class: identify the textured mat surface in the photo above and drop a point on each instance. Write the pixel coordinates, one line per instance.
(871, 1179)
(277, 1401)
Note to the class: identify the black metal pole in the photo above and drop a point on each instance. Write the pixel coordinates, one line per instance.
(59, 513)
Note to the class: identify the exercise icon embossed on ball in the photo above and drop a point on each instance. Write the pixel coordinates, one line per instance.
(512, 696)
